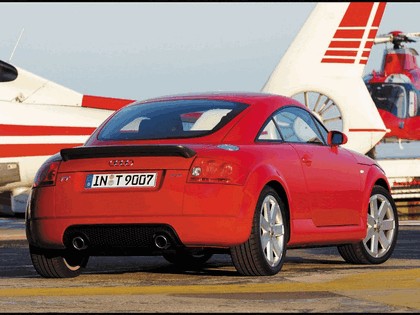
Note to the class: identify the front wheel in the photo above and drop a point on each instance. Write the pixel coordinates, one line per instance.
(382, 231)
(57, 264)
(264, 252)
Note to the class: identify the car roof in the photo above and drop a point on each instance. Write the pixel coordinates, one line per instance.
(249, 98)
(243, 128)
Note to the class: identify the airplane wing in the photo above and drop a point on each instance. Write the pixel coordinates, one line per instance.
(39, 118)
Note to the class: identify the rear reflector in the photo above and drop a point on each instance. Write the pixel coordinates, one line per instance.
(205, 170)
(46, 174)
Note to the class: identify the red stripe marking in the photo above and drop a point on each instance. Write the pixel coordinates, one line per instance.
(366, 54)
(25, 130)
(349, 34)
(344, 44)
(368, 44)
(357, 14)
(338, 60)
(363, 61)
(364, 130)
(21, 150)
(379, 14)
(372, 33)
(341, 53)
(101, 102)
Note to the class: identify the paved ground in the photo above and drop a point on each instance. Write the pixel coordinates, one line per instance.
(12, 229)
(312, 280)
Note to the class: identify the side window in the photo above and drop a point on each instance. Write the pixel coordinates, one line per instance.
(322, 130)
(270, 132)
(297, 125)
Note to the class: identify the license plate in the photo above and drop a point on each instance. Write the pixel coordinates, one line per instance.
(121, 180)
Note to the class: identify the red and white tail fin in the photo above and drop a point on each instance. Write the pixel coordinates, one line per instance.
(323, 68)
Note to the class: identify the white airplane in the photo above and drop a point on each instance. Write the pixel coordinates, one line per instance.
(323, 67)
(39, 118)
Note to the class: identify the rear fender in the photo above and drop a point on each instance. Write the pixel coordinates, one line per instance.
(259, 177)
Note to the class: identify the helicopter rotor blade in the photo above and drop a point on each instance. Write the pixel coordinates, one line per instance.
(413, 34)
(383, 39)
(397, 37)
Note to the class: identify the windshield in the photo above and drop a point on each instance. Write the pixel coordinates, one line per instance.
(389, 97)
(170, 119)
(7, 72)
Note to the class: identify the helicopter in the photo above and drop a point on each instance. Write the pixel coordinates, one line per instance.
(395, 88)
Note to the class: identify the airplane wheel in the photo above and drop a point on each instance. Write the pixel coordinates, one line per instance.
(382, 231)
(57, 264)
(264, 252)
(323, 107)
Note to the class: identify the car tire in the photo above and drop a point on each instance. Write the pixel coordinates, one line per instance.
(187, 259)
(57, 264)
(264, 252)
(382, 231)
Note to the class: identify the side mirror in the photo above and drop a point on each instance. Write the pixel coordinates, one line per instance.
(335, 138)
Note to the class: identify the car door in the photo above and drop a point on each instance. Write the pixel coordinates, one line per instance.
(331, 173)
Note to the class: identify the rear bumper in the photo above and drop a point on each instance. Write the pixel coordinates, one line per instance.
(210, 216)
(192, 231)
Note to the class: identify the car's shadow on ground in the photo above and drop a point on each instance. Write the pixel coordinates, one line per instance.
(15, 261)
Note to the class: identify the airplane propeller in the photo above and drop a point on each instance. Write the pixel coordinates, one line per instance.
(396, 38)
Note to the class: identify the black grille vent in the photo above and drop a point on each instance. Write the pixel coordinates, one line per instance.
(119, 236)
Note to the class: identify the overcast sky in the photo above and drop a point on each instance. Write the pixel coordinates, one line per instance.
(146, 49)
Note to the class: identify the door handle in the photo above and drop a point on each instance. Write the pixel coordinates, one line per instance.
(306, 160)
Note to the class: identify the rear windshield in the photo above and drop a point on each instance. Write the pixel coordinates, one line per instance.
(170, 119)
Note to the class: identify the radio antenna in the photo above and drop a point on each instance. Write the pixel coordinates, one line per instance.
(13, 52)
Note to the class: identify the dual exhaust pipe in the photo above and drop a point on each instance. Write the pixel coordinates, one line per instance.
(161, 241)
(79, 242)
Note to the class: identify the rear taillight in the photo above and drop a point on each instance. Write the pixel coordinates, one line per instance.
(207, 170)
(47, 174)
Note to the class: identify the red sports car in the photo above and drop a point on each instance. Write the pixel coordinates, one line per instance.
(189, 176)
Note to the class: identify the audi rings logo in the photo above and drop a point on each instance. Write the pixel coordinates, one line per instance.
(121, 163)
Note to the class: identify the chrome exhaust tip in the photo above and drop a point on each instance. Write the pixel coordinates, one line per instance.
(162, 242)
(79, 243)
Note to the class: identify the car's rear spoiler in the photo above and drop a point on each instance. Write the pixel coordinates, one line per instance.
(122, 151)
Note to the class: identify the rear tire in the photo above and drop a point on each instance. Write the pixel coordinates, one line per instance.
(56, 263)
(264, 252)
(382, 231)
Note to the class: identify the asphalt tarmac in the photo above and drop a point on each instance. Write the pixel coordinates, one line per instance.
(312, 280)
